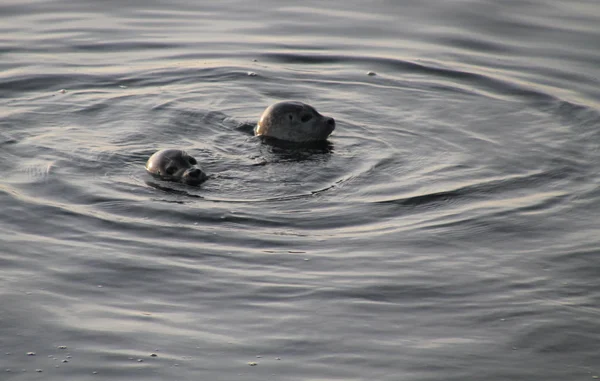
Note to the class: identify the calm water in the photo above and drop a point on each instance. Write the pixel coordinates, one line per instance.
(450, 229)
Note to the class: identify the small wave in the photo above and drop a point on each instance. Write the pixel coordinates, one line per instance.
(484, 189)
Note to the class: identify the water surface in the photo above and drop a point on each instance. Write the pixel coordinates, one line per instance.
(447, 230)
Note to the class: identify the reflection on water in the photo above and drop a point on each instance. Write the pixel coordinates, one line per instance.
(447, 229)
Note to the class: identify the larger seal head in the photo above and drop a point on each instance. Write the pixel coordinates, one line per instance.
(295, 122)
(175, 165)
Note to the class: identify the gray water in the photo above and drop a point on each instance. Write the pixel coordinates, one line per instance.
(449, 229)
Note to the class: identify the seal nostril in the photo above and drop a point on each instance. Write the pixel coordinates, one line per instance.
(194, 173)
(331, 122)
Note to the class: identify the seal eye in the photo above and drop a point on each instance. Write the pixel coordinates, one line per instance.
(170, 171)
(305, 118)
(193, 161)
(291, 116)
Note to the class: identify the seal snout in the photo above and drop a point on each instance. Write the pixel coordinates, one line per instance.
(330, 123)
(194, 175)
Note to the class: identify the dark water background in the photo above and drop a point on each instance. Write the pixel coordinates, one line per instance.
(450, 231)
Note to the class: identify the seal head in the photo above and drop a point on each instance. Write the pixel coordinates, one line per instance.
(175, 165)
(295, 122)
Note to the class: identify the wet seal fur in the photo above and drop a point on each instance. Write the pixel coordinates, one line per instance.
(175, 165)
(294, 121)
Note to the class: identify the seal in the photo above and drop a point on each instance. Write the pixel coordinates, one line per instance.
(175, 165)
(295, 122)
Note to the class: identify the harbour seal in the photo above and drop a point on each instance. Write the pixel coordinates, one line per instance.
(295, 122)
(175, 165)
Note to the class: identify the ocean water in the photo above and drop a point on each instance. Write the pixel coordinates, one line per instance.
(449, 228)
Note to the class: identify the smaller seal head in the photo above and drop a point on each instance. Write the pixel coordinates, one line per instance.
(175, 165)
(295, 122)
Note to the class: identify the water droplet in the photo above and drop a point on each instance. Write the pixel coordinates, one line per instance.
(153, 355)
(38, 370)
(62, 91)
(371, 73)
(65, 360)
(252, 363)
(140, 360)
(62, 347)
(30, 353)
(251, 74)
